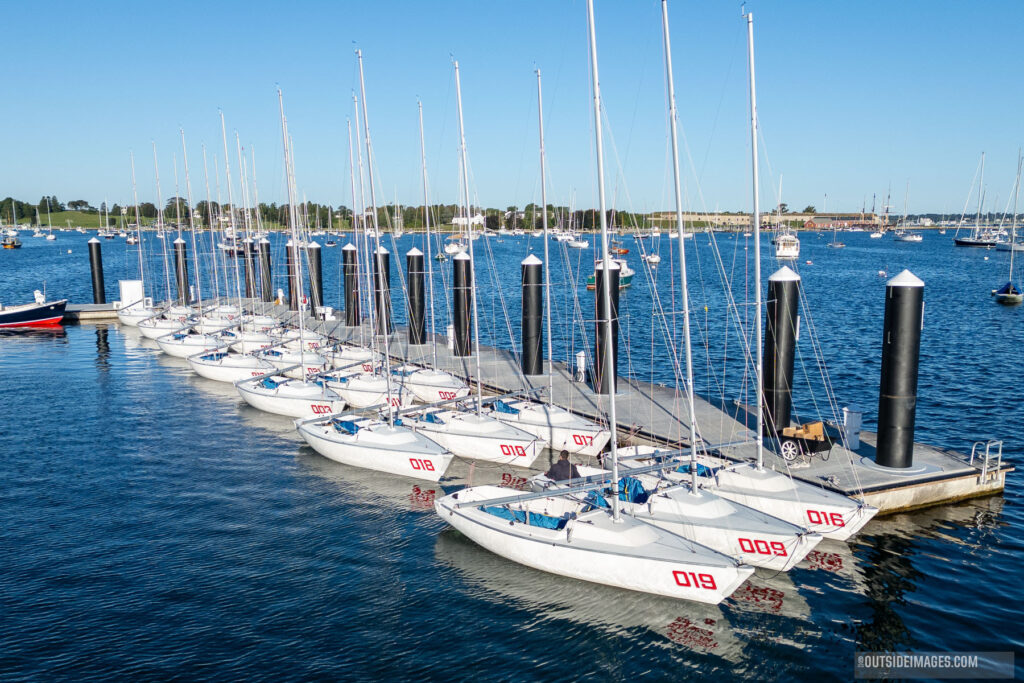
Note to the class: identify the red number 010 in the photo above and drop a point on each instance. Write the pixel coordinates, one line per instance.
(691, 580)
(827, 518)
(512, 450)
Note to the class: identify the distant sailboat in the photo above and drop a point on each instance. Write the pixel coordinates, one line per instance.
(1010, 294)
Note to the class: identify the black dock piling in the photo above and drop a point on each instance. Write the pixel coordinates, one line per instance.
(266, 282)
(316, 276)
(780, 349)
(417, 318)
(533, 312)
(350, 273)
(462, 302)
(382, 290)
(249, 264)
(605, 377)
(99, 292)
(897, 392)
(181, 270)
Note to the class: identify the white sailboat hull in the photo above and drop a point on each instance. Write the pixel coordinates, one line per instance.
(366, 389)
(296, 400)
(430, 386)
(231, 367)
(378, 446)
(629, 554)
(188, 345)
(557, 427)
(480, 437)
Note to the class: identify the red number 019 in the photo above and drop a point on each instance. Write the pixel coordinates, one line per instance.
(692, 580)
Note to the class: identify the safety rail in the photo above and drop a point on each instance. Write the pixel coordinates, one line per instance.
(985, 458)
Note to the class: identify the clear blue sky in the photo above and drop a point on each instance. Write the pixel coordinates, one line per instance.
(852, 97)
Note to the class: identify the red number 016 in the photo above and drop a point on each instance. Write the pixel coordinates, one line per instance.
(827, 518)
(692, 580)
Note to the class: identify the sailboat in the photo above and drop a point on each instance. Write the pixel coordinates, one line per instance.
(378, 443)
(559, 533)
(1010, 294)
(981, 236)
(559, 429)
(429, 384)
(901, 234)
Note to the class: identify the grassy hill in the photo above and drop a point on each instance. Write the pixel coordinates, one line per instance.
(59, 219)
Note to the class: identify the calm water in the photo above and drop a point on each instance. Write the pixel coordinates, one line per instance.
(156, 527)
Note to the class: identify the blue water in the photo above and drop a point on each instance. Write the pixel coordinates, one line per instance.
(155, 527)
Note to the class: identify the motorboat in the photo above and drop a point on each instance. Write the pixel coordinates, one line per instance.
(39, 313)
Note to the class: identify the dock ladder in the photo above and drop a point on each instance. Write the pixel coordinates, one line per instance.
(987, 453)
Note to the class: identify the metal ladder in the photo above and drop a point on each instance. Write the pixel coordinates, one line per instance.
(986, 452)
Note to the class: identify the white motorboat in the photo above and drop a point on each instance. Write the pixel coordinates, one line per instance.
(556, 426)
(376, 445)
(452, 248)
(366, 389)
(290, 397)
(787, 246)
(295, 364)
(876, 235)
(904, 236)
(429, 385)
(479, 437)
(653, 259)
(824, 512)
(224, 366)
(578, 244)
(563, 536)
(738, 531)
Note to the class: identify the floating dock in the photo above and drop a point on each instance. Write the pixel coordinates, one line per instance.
(656, 415)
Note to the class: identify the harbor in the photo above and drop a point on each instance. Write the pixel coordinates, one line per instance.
(470, 422)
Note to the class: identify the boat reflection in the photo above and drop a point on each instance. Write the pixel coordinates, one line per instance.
(369, 486)
(693, 626)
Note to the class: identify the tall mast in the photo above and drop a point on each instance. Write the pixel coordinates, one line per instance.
(1013, 228)
(382, 303)
(605, 259)
(355, 208)
(138, 221)
(472, 259)
(177, 196)
(682, 246)
(371, 302)
(756, 216)
(547, 260)
(293, 219)
(981, 190)
(231, 216)
(191, 219)
(209, 214)
(426, 217)
(160, 223)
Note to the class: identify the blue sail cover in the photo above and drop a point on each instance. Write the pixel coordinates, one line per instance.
(632, 490)
(502, 407)
(345, 426)
(702, 470)
(1008, 288)
(268, 383)
(535, 518)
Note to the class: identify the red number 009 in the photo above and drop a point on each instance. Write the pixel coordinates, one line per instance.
(762, 547)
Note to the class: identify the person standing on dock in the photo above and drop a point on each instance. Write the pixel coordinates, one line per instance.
(563, 469)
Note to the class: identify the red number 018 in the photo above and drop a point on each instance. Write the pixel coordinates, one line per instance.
(418, 464)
